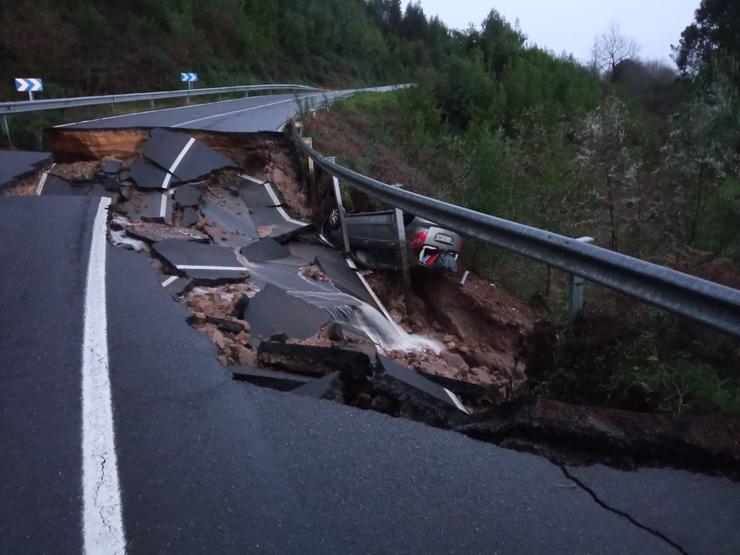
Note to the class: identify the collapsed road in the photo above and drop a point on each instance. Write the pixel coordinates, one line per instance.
(221, 227)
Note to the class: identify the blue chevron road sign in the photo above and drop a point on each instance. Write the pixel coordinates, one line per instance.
(28, 84)
(188, 77)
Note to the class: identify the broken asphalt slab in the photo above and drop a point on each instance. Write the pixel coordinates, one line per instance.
(282, 381)
(264, 211)
(188, 195)
(345, 278)
(200, 261)
(322, 388)
(111, 167)
(190, 217)
(234, 230)
(16, 164)
(273, 311)
(314, 361)
(187, 158)
(395, 374)
(265, 250)
(147, 206)
(176, 285)
(150, 176)
(57, 186)
(154, 232)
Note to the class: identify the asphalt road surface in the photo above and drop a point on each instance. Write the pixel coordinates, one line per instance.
(258, 113)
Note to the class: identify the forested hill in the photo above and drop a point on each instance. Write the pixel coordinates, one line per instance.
(106, 46)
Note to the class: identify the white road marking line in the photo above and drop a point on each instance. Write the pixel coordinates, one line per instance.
(372, 294)
(169, 280)
(456, 400)
(101, 494)
(42, 181)
(149, 112)
(245, 110)
(274, 198)
(168, 178)
(214, 268)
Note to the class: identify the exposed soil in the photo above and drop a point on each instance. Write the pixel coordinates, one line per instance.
(491, 339)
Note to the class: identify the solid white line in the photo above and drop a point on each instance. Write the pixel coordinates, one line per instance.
(42, 181)
(214, 268)
(168, 177)
(280, 210)
(169, 280)
(244, 110)
(101, 493)
(173, 167)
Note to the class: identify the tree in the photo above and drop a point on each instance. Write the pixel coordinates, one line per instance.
(715, 31)
(612, 47)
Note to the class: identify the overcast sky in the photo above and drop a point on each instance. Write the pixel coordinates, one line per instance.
(570, 25)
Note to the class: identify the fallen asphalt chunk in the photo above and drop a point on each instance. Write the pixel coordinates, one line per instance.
(282, 381)
(201, 262)
(403, 382)
(314, 361)
(344, 278)
(190, 217)
(180, 153)
(265, 250)
(200, 161)
(236, 230)
(154, 232)
(264, 210)
(57, 186)
(176, 285)
(111, 167)
(188, 195)
(273, 311)
(147, 206)
(468, 390)
(322, 388)
(149, 176)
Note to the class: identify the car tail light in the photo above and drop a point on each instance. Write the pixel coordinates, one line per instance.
(418, 241)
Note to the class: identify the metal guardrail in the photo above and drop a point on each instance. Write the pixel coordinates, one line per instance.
(695, 298)
(7, 108)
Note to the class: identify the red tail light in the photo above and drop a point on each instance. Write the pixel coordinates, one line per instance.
(418, 241)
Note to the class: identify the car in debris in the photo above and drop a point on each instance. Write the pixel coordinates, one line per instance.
(373, 241)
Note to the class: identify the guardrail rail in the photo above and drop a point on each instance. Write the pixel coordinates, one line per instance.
(17, 107)
(703, 301)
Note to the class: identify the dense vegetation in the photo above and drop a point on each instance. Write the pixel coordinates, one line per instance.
(641, 158)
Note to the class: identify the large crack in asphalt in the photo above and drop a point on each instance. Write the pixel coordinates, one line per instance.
(271, 295)
(657, 533)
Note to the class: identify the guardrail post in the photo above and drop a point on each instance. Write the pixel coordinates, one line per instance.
(6, 128)
(403, 256)
(342, 214)
(575, 289)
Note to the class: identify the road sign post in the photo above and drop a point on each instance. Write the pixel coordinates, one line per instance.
(29, 85)
(188, 78)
